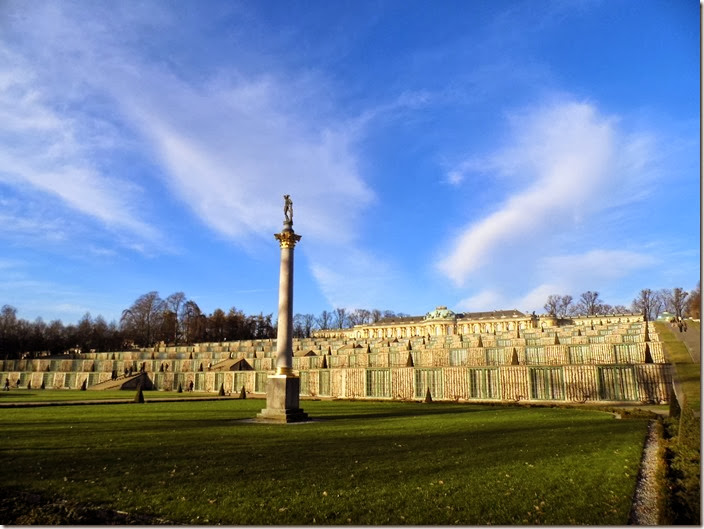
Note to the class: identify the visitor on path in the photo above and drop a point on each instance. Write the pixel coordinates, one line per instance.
(190, 386)
(7, 384)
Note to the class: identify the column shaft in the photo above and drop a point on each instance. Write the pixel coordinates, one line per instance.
(284, 333)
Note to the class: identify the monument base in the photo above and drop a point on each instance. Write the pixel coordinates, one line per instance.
(282, 397)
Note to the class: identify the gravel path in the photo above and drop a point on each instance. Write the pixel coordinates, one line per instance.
(644, 510)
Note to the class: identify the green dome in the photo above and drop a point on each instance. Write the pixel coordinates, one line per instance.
(440, 313)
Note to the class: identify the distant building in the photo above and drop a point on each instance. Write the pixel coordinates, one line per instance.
(444, 322)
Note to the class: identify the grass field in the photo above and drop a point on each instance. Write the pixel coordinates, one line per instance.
(64, 395)
(357, 463)
(687, 372)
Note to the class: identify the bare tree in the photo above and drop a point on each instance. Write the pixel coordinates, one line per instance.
(143, 318)
(605, 308)
(558, 306)
(376, 315)
(174, 303)
(308, 324)
(676, 301)
(589, 303)
(695, 301)
(552, 305)
(565, 307)
(193, 326)
(324, 320)
(660, 299)
(644, 303)
(359, 317)
(340, 315)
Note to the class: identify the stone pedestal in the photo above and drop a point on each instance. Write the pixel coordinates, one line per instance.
(282, 397)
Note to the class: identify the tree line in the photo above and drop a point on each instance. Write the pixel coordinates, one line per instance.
(177, 320)
(649, 302)
(150, 320)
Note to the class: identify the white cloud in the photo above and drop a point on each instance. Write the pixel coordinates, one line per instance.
(227, 144)
(44, 148)
(578, 164)
(482, 301)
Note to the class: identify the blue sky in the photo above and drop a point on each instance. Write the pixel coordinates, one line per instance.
(476, 154)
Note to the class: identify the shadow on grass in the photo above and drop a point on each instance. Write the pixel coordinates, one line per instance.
(397, 413)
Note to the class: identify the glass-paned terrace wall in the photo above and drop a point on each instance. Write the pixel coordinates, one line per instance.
(378, 383)
(429, 378)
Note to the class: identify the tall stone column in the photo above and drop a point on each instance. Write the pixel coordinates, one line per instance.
(283, 388)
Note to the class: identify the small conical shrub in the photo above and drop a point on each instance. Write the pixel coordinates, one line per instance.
(324, 364)
(190, 356)
(29, 385)
(480, 343)
(557, 340)
(180, 388)
(139, 397)
(84, 386)
(648, 356)
(221, 393)
(201, 367)
(409, 360)
(43, 386)
(408, 347)
(243, 393)
(428, 397)
(514, 357)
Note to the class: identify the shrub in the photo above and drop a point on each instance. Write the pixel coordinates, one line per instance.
(139, 397)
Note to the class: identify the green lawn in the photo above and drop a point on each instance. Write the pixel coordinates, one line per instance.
(687, 372)
(358, 463)
(63, 395)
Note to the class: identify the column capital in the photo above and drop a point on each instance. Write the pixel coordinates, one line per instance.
(287, 239)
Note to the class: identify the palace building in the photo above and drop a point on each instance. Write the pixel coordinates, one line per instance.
(444, 322)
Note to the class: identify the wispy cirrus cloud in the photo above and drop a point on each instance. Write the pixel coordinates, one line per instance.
(227, 142)
(565, 164)
(46, 147)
